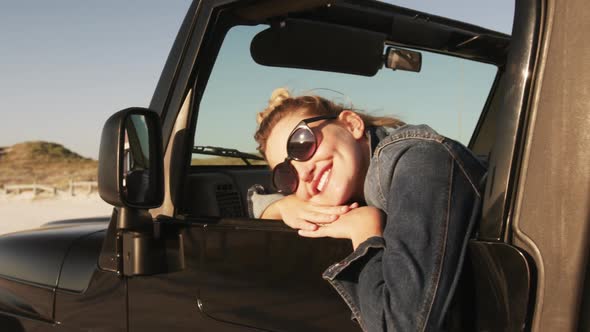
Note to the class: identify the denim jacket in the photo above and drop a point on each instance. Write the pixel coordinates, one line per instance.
(429, 186)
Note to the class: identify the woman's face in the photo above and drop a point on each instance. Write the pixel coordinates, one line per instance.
(335, 174)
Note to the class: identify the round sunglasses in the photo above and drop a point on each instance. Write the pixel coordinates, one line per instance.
(301, 146)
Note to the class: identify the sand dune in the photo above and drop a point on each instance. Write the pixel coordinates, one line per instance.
(23, 212)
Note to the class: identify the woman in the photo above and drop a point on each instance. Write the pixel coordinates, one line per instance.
(420, 197)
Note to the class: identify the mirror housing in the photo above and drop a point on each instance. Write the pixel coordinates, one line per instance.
(130, 160)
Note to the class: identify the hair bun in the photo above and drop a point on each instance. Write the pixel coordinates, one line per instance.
(276, 98)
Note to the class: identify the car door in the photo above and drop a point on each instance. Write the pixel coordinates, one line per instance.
(243, 273)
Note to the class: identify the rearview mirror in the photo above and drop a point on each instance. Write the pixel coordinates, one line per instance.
(130, 172)
(401, 59)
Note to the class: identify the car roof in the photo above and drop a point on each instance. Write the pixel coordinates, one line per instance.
(403, 26)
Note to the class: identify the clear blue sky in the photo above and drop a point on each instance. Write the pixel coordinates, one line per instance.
(66, 65)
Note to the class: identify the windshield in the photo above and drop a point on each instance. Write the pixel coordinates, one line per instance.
(448, 94)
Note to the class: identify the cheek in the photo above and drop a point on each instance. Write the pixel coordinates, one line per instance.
(329, 144)
(346, 151)
(273, 156)
(349, 162)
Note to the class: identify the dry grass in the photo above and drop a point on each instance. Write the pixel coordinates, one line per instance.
(44, 163)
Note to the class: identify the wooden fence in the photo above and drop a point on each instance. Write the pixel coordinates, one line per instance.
(75, 187)
(86, 187)
(35, 188)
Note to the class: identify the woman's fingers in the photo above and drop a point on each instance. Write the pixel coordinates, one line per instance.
(306, 225)
(336, 230)
(299, 223)
(326, 231)
(358, 225)
(300, 214)
(318, 217)
(330, 210)
(319, 232)
(321, 214)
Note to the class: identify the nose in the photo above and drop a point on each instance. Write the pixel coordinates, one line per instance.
(304, 170)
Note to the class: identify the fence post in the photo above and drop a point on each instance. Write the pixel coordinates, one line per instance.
(71, 187)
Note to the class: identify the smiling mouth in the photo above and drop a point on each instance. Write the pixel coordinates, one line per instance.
(323, 180)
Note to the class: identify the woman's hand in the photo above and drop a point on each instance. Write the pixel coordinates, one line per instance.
(357, 225)
(304, 215)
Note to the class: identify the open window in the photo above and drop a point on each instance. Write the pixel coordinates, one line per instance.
(359, 68)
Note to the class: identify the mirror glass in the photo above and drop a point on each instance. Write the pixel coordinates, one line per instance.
(136, 160)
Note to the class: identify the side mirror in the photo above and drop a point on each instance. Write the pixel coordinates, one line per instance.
(130, 160)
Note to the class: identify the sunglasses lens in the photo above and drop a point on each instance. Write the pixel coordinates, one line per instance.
(302, 144)
(284, 178)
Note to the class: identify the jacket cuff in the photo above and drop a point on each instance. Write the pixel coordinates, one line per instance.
(363, 250)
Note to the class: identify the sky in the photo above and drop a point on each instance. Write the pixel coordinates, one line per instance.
(67, 65)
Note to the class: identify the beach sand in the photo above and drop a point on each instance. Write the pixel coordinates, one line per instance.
(21, 212)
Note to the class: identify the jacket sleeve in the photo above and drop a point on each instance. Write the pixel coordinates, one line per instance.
(404, 280)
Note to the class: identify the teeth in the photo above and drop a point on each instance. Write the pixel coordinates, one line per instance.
(323, 180)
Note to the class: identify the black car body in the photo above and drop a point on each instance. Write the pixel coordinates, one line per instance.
(185, 256)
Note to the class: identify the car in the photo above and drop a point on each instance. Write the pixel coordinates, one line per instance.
(180, 251)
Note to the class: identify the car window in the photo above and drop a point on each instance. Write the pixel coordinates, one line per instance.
(448, 94)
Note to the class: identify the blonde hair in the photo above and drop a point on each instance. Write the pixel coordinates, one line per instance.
(282, 103)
